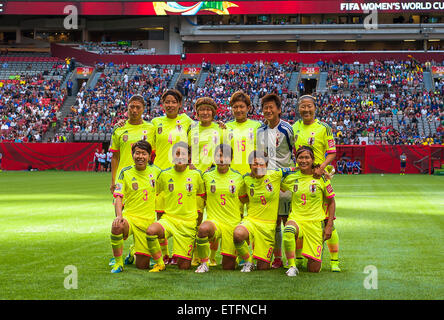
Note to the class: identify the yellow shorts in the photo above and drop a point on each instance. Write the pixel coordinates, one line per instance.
(261, 236)
(137, 228)
(224, 232)
(312, 234)
(183, 233)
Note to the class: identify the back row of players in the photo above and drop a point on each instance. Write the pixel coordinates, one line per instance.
(242, 162)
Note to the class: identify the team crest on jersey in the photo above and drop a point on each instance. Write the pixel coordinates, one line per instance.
(296, 138)
(278, 136)
(170, 187)
(215, 137)
(312, 188)
(179, 127)
(159, 130)
(311, 141)
(135, 186)
(251, 190)
(230, 135)
(143, 138)
(189, 187)
(125, 138)
(153, 183)
(232, 189)
(269, 187)
(196, 140)
(251, 134)
(295, 188)
(213, 186)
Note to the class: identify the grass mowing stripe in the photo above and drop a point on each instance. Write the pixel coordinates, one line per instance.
(54, 219)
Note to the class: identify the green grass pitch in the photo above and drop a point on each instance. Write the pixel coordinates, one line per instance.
(50, 220)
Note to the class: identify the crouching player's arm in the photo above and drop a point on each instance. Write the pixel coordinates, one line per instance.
(118, 206)
(200, 208)
(114, 165)
(331, 209)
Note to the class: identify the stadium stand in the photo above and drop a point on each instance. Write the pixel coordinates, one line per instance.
(97, 109)
(31, 94)
(382, 102)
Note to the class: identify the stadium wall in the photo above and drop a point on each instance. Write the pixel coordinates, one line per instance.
(45, 156)
(89, 58)
(79, 156)
(385, 158)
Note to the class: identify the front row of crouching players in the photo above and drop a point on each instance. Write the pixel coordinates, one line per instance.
(223, 192)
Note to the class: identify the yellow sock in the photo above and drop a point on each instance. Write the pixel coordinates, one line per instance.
(242, 250)
(333, 245)
(154, 249)
(203, 248)
(117, 245)
(289, 243)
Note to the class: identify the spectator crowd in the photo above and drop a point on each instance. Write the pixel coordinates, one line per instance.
(383, 102)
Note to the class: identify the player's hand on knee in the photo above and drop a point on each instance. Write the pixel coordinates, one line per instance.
(118, 222)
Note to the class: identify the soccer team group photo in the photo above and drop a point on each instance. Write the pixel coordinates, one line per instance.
(222, 150)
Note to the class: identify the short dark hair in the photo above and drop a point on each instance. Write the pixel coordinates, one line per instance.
(240, 96)
(272, 97)
(142, 144)
(172, 92)
(137, 97)
(305, 148)
(257, 154)
(206, 101)
(307, 96)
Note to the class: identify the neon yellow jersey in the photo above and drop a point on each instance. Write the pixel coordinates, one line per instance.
(223, 193)
(166, 133)
(203, 141)
(242, 138)
(124, 137)
(307, 195)
(263, 195)
(181, 190)
(317, 136)
(138, 191)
